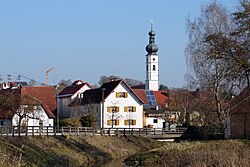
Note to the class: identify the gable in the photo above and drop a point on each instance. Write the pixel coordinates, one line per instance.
(96, 95)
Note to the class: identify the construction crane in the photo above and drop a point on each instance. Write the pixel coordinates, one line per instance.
(47, 74)
(30, 79)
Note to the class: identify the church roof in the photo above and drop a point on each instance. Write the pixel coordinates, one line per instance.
(151, 48)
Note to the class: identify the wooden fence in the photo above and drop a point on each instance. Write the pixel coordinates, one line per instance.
(80, 131)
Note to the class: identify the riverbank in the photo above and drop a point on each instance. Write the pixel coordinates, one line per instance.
(68, 151)
(196, 154)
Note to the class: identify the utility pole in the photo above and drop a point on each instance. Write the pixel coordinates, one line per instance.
(47, 74)
(103, 89)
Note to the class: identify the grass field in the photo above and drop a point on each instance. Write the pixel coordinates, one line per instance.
(229, 153)
(68, 151)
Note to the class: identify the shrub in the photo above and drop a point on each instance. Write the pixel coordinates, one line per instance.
(70, 122)
(88, 120)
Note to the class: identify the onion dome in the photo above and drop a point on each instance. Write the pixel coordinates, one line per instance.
(151, 48)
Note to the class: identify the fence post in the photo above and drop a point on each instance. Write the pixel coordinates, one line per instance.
(124, 132)
(54, 130)
(13, 131)
(116, 132)
(85, 131)
(26, 131)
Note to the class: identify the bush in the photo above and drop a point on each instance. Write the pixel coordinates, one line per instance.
(88, 120)
(70, 122)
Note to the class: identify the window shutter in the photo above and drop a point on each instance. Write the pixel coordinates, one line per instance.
(134, 109)
(116, 122)
(125, 122)
(109, 122)
(126, 94)
(109, 109)
(117, 109)
(117, 94)
(125, 109)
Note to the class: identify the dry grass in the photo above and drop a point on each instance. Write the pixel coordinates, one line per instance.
(230, 153)
(61, 151)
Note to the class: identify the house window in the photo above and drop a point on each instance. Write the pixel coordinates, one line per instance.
(113, 122)
(2, 123)
(121, 94)
(130, 109)
(147, 68)
(113, 109)
(155, 121)
(130, 122)
(154, 68)
(153, 59)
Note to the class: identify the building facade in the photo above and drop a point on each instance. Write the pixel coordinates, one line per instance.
(114, 104)
(67, 95)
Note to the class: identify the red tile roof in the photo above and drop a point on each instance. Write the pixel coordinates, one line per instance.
(160, 96)
(45, 94)
(141, 93)
(30, 95)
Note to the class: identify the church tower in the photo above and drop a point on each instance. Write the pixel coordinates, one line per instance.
(152, 63)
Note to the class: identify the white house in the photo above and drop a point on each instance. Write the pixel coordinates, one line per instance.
(37, 117)
(114, 104)
(25, 110)
(67, 95)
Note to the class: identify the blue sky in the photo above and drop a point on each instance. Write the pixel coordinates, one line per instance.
(86, 39)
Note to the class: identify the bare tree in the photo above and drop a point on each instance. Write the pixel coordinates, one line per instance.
(133, 82)
(105, 79)
(210, 71)
(234, 48)
(113, 113)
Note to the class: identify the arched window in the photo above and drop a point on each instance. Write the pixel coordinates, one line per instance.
(154, 68)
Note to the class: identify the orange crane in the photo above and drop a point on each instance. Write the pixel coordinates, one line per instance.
(47, 74)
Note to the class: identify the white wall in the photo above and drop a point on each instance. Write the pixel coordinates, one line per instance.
(36, 116)
(131, 100)
(68, 112)
(150, 121)
(83, 89)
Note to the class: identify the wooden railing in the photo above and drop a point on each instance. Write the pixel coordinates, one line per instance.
(80, 131)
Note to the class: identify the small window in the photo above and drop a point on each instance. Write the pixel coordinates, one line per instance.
(147, 68)
(153, 59)
(154, 68)
(130, 109)
(114, 122)
(130, 122)
(113, 109)
(155, 121)
(121, 94)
